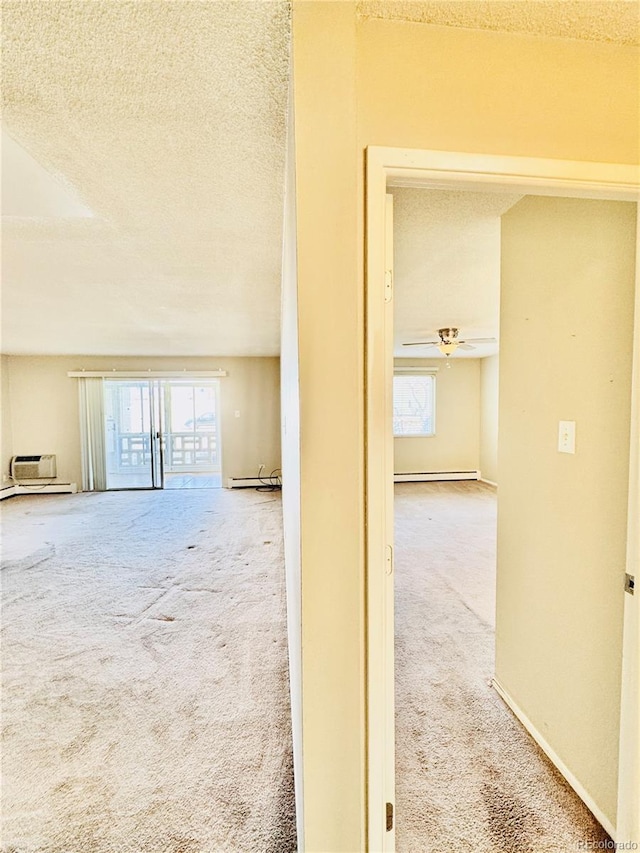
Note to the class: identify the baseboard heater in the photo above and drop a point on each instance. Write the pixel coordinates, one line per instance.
(35, 489)
(246, 482)
(427, 476)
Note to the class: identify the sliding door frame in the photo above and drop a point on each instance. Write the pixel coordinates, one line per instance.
(158, 423)
(155, 378)
(489, 173)
(154, 434)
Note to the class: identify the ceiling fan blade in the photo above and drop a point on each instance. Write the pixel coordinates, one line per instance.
(480, 341)
(422, 344)
(465, 346)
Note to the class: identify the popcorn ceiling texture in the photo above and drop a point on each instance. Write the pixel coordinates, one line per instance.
(168, 120)
(616, 21)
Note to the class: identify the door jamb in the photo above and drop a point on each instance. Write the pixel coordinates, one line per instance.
(462, 171)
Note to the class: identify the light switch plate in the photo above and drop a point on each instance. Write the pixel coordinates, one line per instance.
(567, 437)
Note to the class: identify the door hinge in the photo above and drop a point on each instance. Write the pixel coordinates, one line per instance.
(629, 583)
(389, 817)
(389, 560)
(388, 285)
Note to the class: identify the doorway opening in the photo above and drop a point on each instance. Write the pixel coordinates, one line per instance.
(162, 434)
(440, 170)
(463, 762)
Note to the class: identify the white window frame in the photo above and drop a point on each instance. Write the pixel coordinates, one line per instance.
(420, 371)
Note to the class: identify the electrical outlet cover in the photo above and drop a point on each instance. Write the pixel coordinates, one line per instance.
(567, 437)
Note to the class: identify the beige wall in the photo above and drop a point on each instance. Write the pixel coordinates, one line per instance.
(568, 278)
(455, 446)
(331, 423)
(45, 419)
(450, 89)
(360, 83)
(489, 418)
(6, 426)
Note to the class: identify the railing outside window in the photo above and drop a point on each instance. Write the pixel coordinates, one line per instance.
(184, 451)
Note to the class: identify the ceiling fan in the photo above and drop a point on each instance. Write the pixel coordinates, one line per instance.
(449, 342)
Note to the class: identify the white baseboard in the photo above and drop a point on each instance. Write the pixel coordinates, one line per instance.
(49, 489)
(429, 476)
(488, 482)
(555, 759)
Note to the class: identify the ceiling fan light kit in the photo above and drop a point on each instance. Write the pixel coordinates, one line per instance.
(449, 341)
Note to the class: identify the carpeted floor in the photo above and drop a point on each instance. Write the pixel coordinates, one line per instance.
(468, 776)
(145, 685)
(146, 706)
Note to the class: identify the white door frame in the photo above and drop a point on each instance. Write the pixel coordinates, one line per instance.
(490, 173)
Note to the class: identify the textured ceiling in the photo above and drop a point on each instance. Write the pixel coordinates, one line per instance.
(447, 267)
(143, 176)
(147, 149)
(616, 21)
(30, 191)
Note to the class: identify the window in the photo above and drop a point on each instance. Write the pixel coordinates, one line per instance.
(414, 411)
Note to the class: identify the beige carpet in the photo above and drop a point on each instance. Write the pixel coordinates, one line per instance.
(145, 684)
(145, 703)
(468, 776)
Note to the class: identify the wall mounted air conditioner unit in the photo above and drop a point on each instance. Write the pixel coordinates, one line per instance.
(33, 467)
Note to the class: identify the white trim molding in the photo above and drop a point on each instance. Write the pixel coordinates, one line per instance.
(628, 818)
(488, 482)
(407, 167)
(145, 374)
(554, 758)
(448, 170)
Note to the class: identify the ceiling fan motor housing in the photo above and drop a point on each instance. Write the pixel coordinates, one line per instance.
(448, 336)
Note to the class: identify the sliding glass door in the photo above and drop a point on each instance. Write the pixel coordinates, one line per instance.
(192, 434)
(162, 433)
(133, 433)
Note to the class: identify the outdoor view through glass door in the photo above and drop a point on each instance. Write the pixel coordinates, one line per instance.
(192, 435)
(162, 433)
